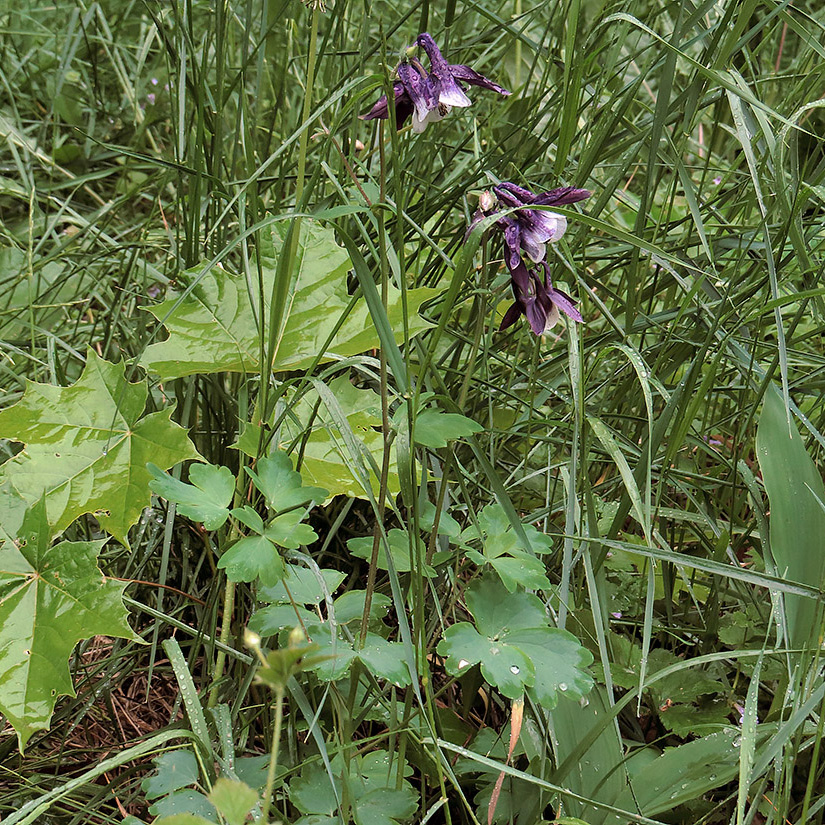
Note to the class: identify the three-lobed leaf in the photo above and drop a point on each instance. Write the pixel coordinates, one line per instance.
(205, 499)
(281, 486)
(516, 647)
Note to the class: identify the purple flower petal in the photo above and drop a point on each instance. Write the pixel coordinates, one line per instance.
(536, 315)
(538, 229)
(565, 303)
(417, 89)
(512, 243)
(471, 76)
(403, 106)
(561, 196)
(511, 316)
(513, 195)
(449, 92)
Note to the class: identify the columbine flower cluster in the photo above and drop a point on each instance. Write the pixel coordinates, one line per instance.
(527, 231)
(429, 96)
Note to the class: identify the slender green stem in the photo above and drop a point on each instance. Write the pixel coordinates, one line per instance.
(304, 141)
(273, 756)
(226, 633)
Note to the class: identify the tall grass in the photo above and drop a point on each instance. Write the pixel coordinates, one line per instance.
(141, 139)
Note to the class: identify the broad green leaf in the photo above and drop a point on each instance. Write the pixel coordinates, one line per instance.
(288, 531)
(180, 819)
(383, 659)
(187, 801)
(51, 597)
(435, 428)
(251, 558)
(349, 606)
(216, 328)
(303, 584)
(375, 798)
(282, 486)
(233, 799)
(385, 806)
(326, 461)
(313, 793)
(502, 549)
(87, 447)
(447, 525)
(274, 618)
(797, 512)
(258, 557)
(205, 499)
(515, 646)
(173, 770)
(699, 766)
(399, 542)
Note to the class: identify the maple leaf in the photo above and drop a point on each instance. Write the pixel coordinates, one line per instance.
(51, 597)
(216, 326)
(87, 446)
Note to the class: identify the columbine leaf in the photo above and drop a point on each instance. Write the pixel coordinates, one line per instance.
(303, 584)
(313, 792)
(288, 531)
(385, 659)
(50, 599)
(399, 543)
(233, 800)
(516, 647)
(216, 327)
(173, 770)
(282, 486)
(206, 499)
(87, 447)
(434, 428)
(251, 558)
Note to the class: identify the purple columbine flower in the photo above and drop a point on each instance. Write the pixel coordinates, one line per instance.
(527, 231)
(530, 230)
(537, 299)
(429, 96)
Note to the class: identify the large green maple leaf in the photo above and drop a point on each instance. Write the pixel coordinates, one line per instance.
(87, 447)
(216, 327)
(51, 597)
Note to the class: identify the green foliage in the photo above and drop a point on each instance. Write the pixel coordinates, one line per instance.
(311, 278)
(51, 597)
(797, 516)
(326, 458)
(256, 556)
(206, 499)
(503, 551)
(87, 446)
(516, 647)
(215, 325)
(377, 797)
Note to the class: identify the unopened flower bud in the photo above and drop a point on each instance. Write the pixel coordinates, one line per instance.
(486, 201)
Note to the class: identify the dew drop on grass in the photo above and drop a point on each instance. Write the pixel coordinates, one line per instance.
(562, 685)
(515, 670)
